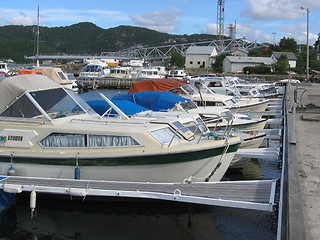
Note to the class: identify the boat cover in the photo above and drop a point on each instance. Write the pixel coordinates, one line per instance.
(163, 84)
(153, 100)
(13, 87)
(129, 108)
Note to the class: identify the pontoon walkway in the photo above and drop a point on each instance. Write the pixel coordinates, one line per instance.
(257, 195)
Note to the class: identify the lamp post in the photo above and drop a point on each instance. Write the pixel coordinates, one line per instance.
(308, 12)
(274, 38)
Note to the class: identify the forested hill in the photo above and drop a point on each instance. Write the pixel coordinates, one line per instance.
(82, 38)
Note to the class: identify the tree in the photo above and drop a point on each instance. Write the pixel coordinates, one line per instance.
(282, 65)
(218, 63)
(177, 59)
(288, 45)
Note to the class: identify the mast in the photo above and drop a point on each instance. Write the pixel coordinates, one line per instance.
(38, 33)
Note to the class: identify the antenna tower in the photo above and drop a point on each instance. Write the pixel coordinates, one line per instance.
(220, 19)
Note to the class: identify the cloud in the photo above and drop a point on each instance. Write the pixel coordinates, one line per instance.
(163, 21)
(211, 28)
(22, 19)
(52, 16)
(272, 10)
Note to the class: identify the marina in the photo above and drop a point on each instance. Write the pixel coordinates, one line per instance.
(162, 135)
(261, 194)
(258, 195)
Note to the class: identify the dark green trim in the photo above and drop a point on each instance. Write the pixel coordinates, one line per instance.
(125, 161)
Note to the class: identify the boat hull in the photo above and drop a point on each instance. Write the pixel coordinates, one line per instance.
(151, 168)
(254, 141)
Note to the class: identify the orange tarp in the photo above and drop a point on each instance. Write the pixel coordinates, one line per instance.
(163, 84)
(30, 71)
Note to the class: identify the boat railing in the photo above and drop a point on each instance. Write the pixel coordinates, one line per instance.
(108, 121)
(13, 120)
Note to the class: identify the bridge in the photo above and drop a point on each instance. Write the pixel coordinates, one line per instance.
(160, 52)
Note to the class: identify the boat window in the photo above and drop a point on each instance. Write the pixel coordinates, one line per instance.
(22, 108)
(179, 126)
(201, 126)
(165, 135)
(64, 140)
(111, 141)
(188, 105)
(183, 130)
(57, 103)
(62, 76)
(196, 127)
(70, 140)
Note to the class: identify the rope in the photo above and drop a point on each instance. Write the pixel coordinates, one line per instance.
(207, 178)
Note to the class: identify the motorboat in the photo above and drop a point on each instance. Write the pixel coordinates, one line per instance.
(55, 74)
(95, 70)
(249, 139)
(262, 87)
(49, 131)
(201, 98)
(98, 68)
(209, 98)
(4, 67)
(123, 72)
(221, 124)
(150, 72)
(214, 117)
(178, 73)
(227, 86)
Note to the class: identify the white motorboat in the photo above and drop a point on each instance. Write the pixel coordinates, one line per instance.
(227, 86)
(221, 123)
(95, 69)
(214, 117)
(4, 67)
(123, 72)
(178, 73)
(249, 139)
(209, 98)
(49, 131)
(150, 72)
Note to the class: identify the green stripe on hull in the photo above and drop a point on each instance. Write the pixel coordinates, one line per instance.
(126, 161)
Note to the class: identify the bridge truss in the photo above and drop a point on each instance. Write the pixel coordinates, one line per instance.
(164, 52)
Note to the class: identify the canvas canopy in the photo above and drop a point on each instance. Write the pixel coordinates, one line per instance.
(13, 87)
(153, 100)
(56, 74)
(164, 84)
(129, 108)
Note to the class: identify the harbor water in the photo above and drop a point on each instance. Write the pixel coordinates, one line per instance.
(141, 219)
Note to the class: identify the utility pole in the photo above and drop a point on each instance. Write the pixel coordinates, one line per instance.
(308, 12)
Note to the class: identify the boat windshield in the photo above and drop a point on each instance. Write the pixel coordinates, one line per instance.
(49, 104)
(186, 90)
(187, 105)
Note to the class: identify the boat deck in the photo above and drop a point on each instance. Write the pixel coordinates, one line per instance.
(257, 195)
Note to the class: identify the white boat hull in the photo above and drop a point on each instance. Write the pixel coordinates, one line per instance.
(198, 170)
(240, 163)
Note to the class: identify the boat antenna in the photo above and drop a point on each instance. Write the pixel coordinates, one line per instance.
(38, 33)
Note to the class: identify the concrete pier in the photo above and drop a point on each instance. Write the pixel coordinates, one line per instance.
(303, 162)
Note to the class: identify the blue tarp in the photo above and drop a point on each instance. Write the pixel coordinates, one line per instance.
(129, 108)
(152, 100)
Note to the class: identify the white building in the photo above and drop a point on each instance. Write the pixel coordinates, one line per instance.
(237, 63)
(200, 56)
(290, 55)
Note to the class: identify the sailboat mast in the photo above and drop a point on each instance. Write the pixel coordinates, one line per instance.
(38, 33)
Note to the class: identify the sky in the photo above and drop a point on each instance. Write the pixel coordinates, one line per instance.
(256, 20)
